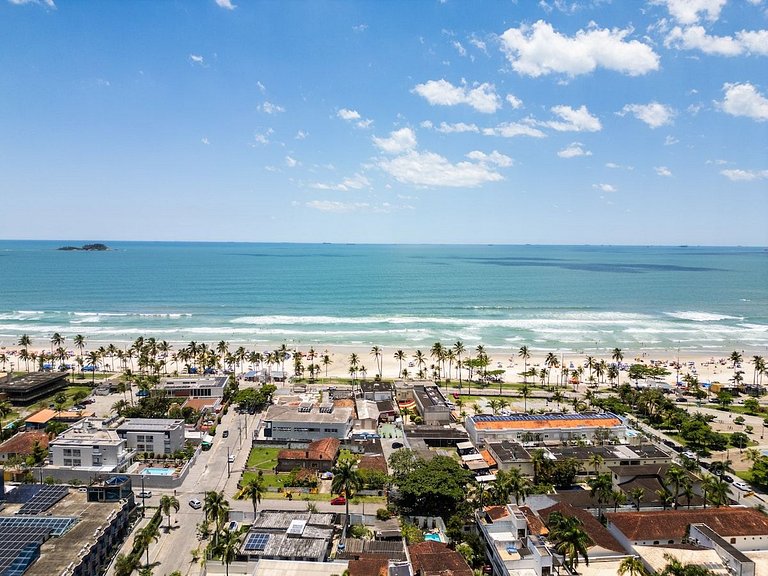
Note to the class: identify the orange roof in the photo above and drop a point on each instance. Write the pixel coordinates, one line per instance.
(46, 415)
(546, 424)
(488, 458)
(324, 449)
(23, 442)
(200, 403)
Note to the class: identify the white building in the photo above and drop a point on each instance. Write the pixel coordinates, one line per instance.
(194, 386)
(156, 436)
(89, 445)
(307, 422)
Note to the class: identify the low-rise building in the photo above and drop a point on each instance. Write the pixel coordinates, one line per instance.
(300, 536)
(22, 444)
(553, 428)
(376, 391)
(40, 419)
(307, 422)
(156, 436)
(430, 558)
(30, 388)
(319, 455)
(90, 446)
(432, 405)
(194, 386)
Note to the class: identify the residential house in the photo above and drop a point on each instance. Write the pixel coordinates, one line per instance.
(22, 444)
(307, 422)
(430, 558)
(156, 436)
(319, 455)
(90, 446)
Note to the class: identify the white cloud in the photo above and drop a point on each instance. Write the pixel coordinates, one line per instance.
(579, 120)
(270, 108)
(261, 87)
(360, 28)
(670, 141)
(459, 48)
(744, 100)
(481, 97)
(356, 182)
(430, 169)
(301, 135)
(663, 171)
(338, 207)
(291, 162)
(689, 11)
(737, 175)
(226, 4)
(262, 137)
(696, 38)
(197, 59)
(205, 140)
(512, 129)
(479, 44)
(348, 115)
(495, 157)
(604, 187)
(574, 150)
(399, 141)
(653, 114)
(48, 3)
(538, 50)
(446, 128)
(514, 101)
(615, 166)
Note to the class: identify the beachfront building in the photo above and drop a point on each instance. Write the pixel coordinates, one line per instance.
(156, 436)
(307, 421)
(431, 404)
(194, 386)
(90, 447)
(376, 391)
(546, 428)
(31, 387)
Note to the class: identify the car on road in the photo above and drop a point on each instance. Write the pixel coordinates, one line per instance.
(225, 434)
(195, 503)
(231, 458)
(727, 478)
(339, 501)
(689, 454)
(681, 399)
(145, 494)
(741, 485)
(396, 445)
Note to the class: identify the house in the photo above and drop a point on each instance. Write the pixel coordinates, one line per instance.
(432, 405)
(22, 444)
(194, 386)
(40, 419)
(376, 391)
(552, 427)
(90, 446)
(156, 436)
(652, 479)
(300, 536)
(431, 558)
(307, 422)
(320, 455)
(30, 388)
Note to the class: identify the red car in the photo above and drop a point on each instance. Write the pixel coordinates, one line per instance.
(456, 395)
(339, 500)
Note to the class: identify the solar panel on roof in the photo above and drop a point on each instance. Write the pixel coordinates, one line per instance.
(44, 499)
(256, 542)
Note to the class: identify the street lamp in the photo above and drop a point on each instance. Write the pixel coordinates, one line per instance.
(229, 472)
(143, 495)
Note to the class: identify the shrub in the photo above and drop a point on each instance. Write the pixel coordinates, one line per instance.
(383, 514)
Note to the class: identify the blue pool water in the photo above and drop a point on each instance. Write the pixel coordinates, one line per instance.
(433, 537)
(158, 471)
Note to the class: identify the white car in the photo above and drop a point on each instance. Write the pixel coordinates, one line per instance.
(742, 485)
(231, 458)
(689, 454)
(195, 503)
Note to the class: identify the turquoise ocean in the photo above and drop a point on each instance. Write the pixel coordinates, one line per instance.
(567, 298)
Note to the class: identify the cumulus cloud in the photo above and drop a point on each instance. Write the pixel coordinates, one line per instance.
(653, 114)
(262, 137)
(539, 50)
(446, 128)
(512, 129)
(481, 97)
(574, 120)
(670, 141)
(354, 116)
(360, 28)
(338, 207)
(291, 162)
(301, 135)
(514, 101)
(459, 48)
(574, 150)
(689, 11)
(744, 100)
(663, 171)
(197, 59)
(270, 108)
(398, 141)
(495, 157)
(615, 166)
(604, 187)
(430, 169)
(226, 4)
(205, 140)
(737, 175)
(696, 38)
(356, 182)
(48, 3)
(261, 87)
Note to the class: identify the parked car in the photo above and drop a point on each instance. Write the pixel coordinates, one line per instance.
(195, 503)
(88, 401)
(741, 485)
(339, 500)
(145, 494)
(232, 526)
(727, 478)
(231, 458)
(681, 399)
(689, 454)
(142, 393)
(225, 434)
(396, 445)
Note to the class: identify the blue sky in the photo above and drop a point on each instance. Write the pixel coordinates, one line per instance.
(554, 122)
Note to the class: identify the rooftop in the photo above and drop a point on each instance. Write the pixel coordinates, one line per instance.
(84, 432)
(31, 381)
(324, 449)
(373, 386)
(673, 524)
(654, 556)
(267, 567)
(544, 421)
(431, 557)
(23, 442)
(150, 424)
(291, 413)
(47, 414)
(594, 529)
(193, 382)
(507, 451)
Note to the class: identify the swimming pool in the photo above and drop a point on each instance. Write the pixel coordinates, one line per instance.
(158, 471)
(432, 536)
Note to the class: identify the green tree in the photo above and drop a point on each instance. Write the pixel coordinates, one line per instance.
(676, 568)
(226, 548)
(253, 489)
(402, 462)
(570, 539)
(346, 481)
(215, 508)
(434, 487)
(146, 536)
(168, 503)
(125, 564)
(632, 566)
(677, 476)
(525, 354)
(637, 495)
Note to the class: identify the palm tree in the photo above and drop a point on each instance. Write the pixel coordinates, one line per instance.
(25, 342)
(551, 363)
(125, 564)
(346, 480)
(146, 536)
(525, 355)
(619, 499)
(570, 539)
(399, 356)
(617, 357)
(735, 358)
(420, 359)
(676, 476)
(632, 566)
(637, 495)
(215, 509)
(675, 567)
(376, 353)
(5, 410)
(601, 487)
(458, 349)
(596, 461)
(716, 490)
(525, 392)
(326, 362)
(253, 489)
(166, 504)
(227, 547)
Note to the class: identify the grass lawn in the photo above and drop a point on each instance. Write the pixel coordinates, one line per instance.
(263, 458)
(270, 478)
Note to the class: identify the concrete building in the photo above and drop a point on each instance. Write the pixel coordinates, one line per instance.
(30, 388)
(299, 536)
(307, 422)
(40, 419)
(156, 436)
(90, 446)
(194, 386)
(432, 405)
(376, 391)
(553, 428)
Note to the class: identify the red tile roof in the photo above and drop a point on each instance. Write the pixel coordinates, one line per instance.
(431, 558)
(535, 525)
(324, 449)
(373, 462)
(369, 565)
(596, 531)
(488, 458)
(23, 442)
(496, 512)
(673, 524)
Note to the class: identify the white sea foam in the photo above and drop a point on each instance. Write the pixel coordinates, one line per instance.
(695, 316)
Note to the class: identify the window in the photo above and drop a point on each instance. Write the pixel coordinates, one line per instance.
(76, 462)
(733, 540)
(67, 451)
(67, 461)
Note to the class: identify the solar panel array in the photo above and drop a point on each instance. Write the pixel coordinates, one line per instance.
(44, 499)
(23, 493)
(256, 542)
(539, 417)
(21, 537)
(56, 525)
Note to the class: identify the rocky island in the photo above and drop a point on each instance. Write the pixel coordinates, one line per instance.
(86, 247)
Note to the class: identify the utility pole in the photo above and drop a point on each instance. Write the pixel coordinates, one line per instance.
(143, 494)
(229, 472)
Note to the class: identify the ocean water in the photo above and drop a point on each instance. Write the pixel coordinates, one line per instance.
(567, 298)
